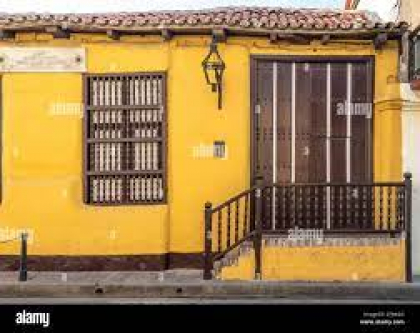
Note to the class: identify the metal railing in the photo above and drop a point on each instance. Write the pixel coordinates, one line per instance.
(228, 225)
(351, 208)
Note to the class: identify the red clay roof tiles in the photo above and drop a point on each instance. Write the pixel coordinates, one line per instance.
(236, 17)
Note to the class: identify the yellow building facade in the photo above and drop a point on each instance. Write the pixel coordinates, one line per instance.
(42, 145)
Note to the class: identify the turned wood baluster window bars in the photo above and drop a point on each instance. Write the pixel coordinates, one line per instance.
(125, 139)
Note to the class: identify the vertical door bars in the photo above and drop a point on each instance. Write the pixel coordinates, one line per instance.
(293, 124)
(328, 147)
(348, 121)
(348, 136)
(275, 108)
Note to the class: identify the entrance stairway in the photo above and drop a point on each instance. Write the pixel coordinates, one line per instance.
(379, 258)
(289, 232)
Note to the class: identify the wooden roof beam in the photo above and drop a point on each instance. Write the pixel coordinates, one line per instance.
(380, 40)
(113, 34)
(293, 38)
(273, 37)
(7, 34)
(219, 35)
(325, 39)
(58, 32)
(166, 34)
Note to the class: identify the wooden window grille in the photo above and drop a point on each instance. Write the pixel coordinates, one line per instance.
(125, 139)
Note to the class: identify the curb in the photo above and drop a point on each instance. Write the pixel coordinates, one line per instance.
(216, 290)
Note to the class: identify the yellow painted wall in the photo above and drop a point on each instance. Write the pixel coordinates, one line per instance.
(323, 263)
(387, 122)
(42, 153)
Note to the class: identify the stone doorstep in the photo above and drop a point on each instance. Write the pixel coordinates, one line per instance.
(245, 248)
(332, 241)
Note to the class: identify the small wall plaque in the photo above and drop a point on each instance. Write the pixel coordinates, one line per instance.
(219, 149)
(45, 59)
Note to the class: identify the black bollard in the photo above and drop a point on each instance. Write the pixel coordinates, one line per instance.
(23, 269)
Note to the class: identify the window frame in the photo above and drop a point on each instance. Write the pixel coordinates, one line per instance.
(414, 63)
(1, 137)
(85, 143)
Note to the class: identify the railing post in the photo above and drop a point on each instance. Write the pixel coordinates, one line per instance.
(208, 265)
(408, 216)
(23, 268)
(258, 228)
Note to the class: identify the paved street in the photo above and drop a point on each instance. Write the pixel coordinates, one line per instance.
(195, 301)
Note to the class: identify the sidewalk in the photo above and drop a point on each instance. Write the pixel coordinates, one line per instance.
(89, 278)
(189, 283)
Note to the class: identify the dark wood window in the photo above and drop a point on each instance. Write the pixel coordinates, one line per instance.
(125, 139)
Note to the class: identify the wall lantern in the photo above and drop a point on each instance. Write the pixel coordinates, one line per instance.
(214, 66)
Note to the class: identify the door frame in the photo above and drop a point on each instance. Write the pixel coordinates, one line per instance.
(254, 59)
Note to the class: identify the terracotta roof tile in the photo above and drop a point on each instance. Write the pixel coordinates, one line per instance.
(232, 17)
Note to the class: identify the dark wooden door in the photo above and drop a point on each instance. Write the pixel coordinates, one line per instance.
(303, 131)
